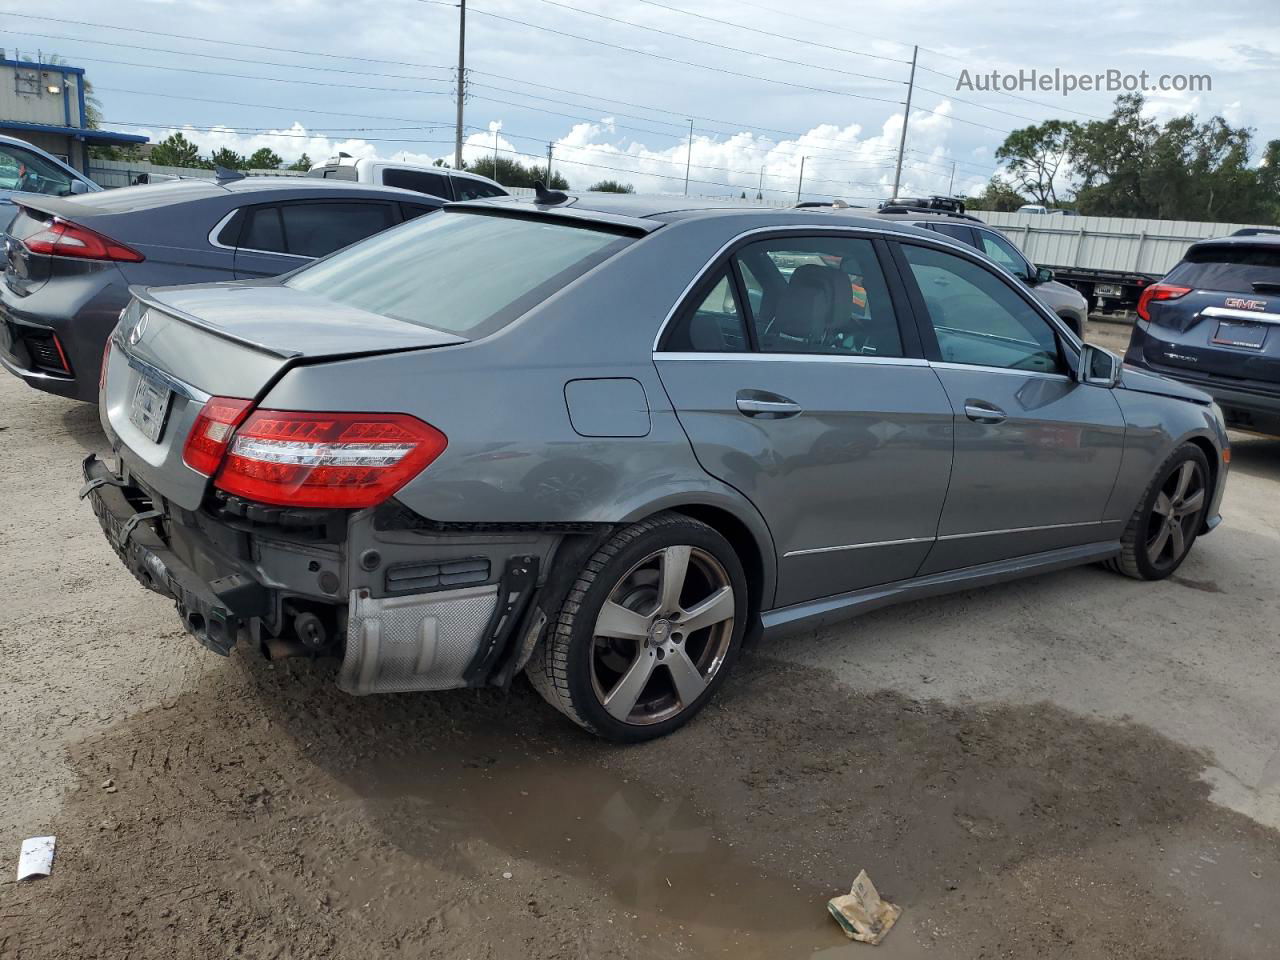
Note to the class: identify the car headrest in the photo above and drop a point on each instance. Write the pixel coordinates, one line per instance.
(815, 298)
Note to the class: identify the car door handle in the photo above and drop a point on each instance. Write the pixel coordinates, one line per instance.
(755, 403)
(981, 412)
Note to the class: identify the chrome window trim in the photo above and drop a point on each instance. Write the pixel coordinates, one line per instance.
(853, 232)
(1230, 313)
(856, 546)
(794, 357)
(1043, 374)
(217, 229)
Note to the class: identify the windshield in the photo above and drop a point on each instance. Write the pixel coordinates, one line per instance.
(461, 272)
(1232, 268)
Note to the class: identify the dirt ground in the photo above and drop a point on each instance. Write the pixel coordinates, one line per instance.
(1073, 766)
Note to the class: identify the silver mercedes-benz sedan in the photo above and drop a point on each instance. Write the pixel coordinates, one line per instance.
(608, 441)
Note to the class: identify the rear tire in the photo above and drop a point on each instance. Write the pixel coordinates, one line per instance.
(1165, 525)
(643, 665)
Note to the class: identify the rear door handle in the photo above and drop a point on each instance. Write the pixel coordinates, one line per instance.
(982, 412)
(756, 403)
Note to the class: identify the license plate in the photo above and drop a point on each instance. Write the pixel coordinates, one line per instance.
(1233, 334)
(1107, 290)
(150, 407)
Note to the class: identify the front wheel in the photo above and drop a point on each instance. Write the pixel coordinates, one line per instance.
(1163, 529)
(648, 631)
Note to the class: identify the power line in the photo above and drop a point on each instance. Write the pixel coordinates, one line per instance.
(721, 46)
(659, 56)
(1005, 93)
(170, 35)
(268, 106)
(218, 56)
(246, 76)
(774, 35)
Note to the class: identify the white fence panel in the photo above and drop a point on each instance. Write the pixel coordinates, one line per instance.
(122, 173)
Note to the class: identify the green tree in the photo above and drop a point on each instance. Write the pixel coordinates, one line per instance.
(513, 173)
(175, 150)
(226, 157)
(264, 158)
(1034, 155)
(303, 163)
(613, 186)
(998, 196)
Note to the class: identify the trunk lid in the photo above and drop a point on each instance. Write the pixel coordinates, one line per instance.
(1228, 324)
(177, 346)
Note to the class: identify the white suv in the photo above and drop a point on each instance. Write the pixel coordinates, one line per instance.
(434, 181)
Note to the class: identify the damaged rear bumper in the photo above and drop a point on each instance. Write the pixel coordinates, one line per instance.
(396, 617)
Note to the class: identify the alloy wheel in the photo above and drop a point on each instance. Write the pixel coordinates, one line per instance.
(1175, 515)
(662, 635)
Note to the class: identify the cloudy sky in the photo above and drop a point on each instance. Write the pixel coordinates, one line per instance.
(613, 84)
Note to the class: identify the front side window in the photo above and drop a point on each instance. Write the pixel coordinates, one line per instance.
(31, 173)
(978, 318)
(436, 184)
(436, 271)
(820, 295)
(464, 188)
(318, 229)
(1004, 253)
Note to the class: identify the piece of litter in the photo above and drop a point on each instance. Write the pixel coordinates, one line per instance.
(861, 913)
(506, 875)
(108, 784)
(36, 858)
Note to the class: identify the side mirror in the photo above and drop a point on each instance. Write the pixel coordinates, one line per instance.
(1043, 275)
(1098, 367)
(79, 186)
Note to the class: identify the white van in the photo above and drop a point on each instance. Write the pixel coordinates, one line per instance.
(435, 181)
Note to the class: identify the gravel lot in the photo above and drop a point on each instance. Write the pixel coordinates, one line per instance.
(1076, 765)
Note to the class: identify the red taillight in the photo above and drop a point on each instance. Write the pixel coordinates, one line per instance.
(210, 434)
(327, 459)
(62, 238)
(1158, 291)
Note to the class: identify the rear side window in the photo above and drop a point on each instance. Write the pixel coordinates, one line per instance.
(436, 184)
(318, 229)
(713, 324)
(460, 272)
(263, 231)
(953, 230)
(464, 188)
(1232, 269)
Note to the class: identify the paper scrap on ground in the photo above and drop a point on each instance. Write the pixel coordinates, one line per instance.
(861, 913)
(36, 859)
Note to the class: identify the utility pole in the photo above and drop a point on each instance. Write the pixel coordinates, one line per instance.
(688, 159)
(495, 153)
(760, 189)
(549, 146)
(951, 184)
(462, 79)
(906, 115)
(801, 183)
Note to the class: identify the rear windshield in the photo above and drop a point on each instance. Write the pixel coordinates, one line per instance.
(460, 272)
(1233, 269)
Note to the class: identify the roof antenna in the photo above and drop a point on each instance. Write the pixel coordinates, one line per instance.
(223, 174)
(547, 198)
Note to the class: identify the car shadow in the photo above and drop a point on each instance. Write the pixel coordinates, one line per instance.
(80, 421)
(1256, 455)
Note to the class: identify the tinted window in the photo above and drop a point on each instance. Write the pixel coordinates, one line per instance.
(410, 210)
(1004, 253)
(317, 229)
(953, 230)
(977, 317)
(436, 184)
(23, 170)
(1234, 269)
(461, 272)
(822, 295)
(263, 231)
(715, 324)
(464, 188)
(229, 235)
